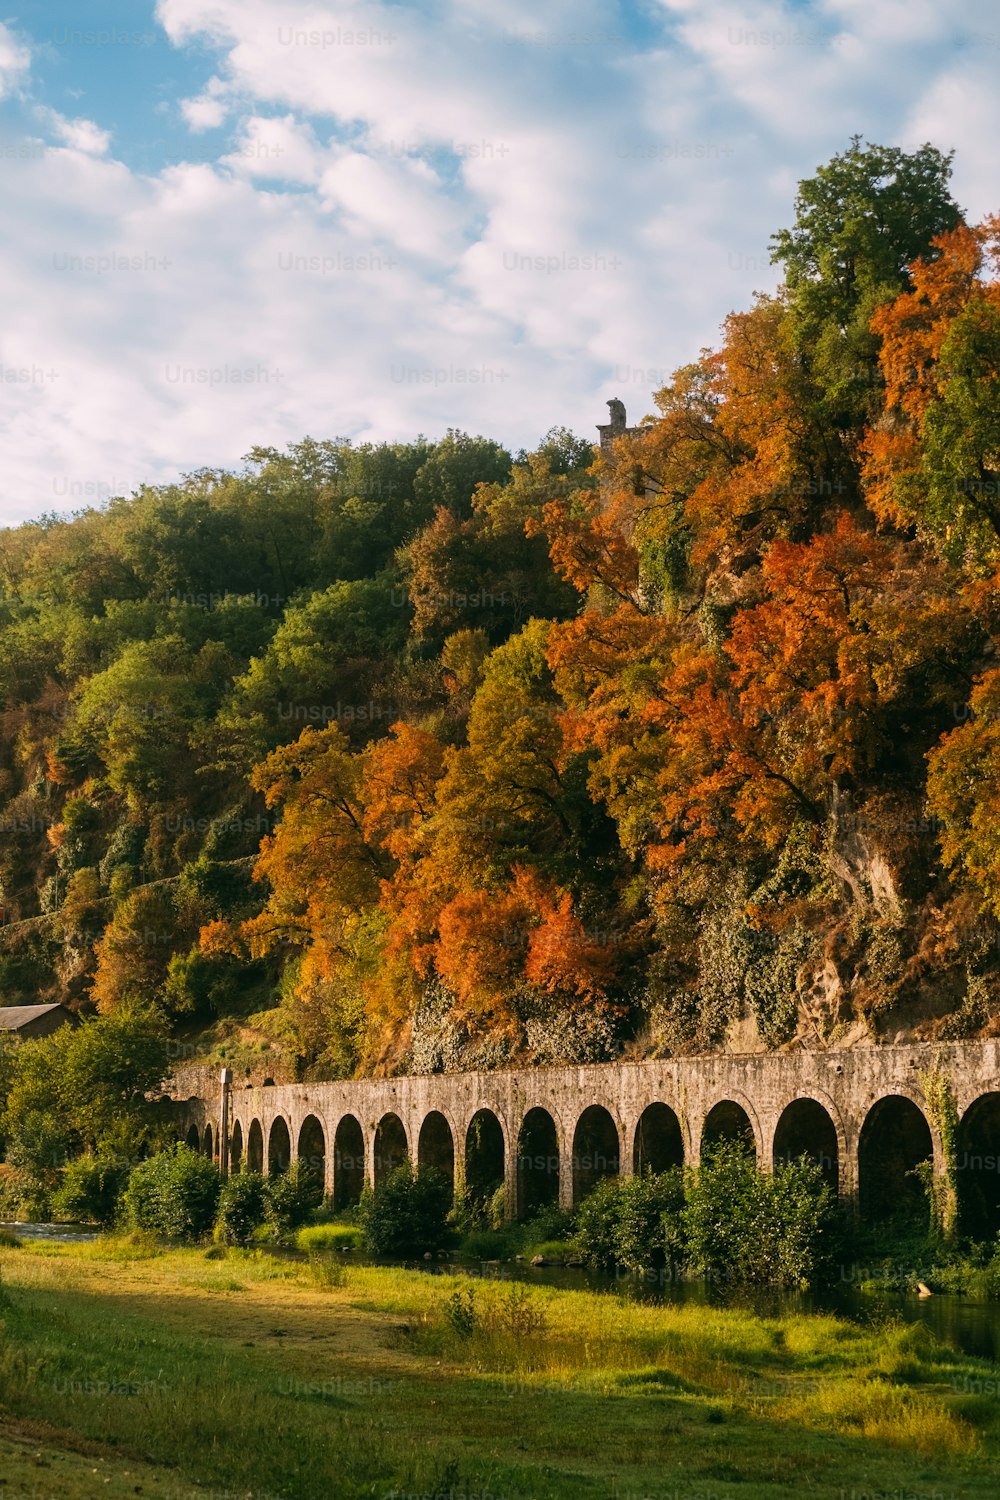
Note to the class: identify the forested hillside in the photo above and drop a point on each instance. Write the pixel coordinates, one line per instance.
(423, 755)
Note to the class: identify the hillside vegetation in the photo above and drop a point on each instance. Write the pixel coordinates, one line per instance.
(424, 755)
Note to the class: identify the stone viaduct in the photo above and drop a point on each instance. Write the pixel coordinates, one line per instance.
(869, 1116)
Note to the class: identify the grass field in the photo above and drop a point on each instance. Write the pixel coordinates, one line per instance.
(130, 1370)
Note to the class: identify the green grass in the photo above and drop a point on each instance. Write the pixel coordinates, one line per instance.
(328, 1237)
(558, 1251)
(127, 1370)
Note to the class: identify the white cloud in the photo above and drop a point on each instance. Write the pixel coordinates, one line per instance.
(209, 109)
(277, 147)
(203, 113)
(79, 134)
(15, 60)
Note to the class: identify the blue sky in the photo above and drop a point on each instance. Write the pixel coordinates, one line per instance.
(234, 222)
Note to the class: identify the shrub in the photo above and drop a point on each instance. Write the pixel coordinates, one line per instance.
(326, 1272)
(406, 1214)
(90, 1191)
(174, 1193)
(633, 1222)
(290, 1197)
(549, 1223)
(750, 1227)
(510, 1312)
(36, 1150)
(241, 1207)
(597, 1225)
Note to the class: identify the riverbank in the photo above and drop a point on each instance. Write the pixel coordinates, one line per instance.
(129, 1369)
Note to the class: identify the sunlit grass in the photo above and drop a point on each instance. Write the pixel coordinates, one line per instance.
(378, 1378)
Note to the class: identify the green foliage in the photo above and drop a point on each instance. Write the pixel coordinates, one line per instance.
(511, 1311)
(406, 1214)
(859, 223)
(174, 1193)
(633, 1222)
(291, 1197)
(942, 1111)
(90, 1190)
(88, 1081)
(458, 463)
(242, 1203)
(744, 1227)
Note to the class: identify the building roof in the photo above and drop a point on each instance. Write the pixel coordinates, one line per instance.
(13, 1017)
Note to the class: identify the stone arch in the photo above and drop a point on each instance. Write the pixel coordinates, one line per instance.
(348, 1162)
(255, 1147)
(236, 1147)
(311, 1152)
(537, 1162)
(279, 1147)
(729, 1120)
(208, 1143)
(596, 1150)
(977, 1168)
(807, 1128)
(391, 1146)
(895, 1138)
(436, 1144)
(193, 1137)
(485, 1157)
(658, 1143)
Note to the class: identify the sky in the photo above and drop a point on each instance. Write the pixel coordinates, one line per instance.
(231, 223)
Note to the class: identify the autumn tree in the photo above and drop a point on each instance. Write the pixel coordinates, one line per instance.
(933, 459)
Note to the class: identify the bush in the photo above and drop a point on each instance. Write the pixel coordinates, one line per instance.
(634, 1222)
(326, 1272)
(407, 1213)
(750, 1227)
(90, 1191)
(290, 1197)
(549, 1223)
(242, 1201)
(174, 1193)
(36, 1151)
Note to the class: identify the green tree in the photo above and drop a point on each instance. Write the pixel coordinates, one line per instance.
(860, 222)
(91, 1081)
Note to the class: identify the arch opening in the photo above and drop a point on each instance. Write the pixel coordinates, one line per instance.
(193, 1138)
(255, 1147)
(727, 1123)
(595, 1150)
(484, 1161)
(312, 1154)
(436, 1145)
(806, 1129)
(348, 1163)
(977, 1163)
(279, 1148)
(895, 1139)
(208, 1144)
(391, 1148)
(236, 1147)
(537, 1163)
(659, 1141)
